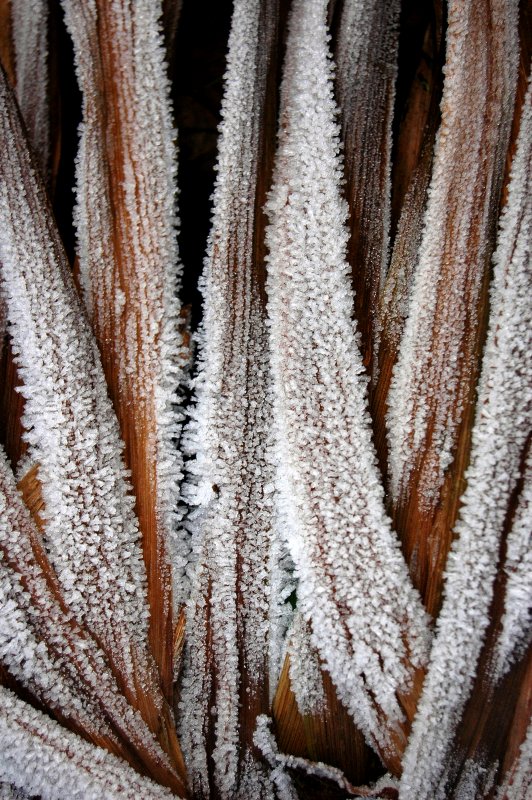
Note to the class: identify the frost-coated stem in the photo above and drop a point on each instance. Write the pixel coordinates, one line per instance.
(367, 621)
(502, 427)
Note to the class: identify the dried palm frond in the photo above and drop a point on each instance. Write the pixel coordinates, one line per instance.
(230, 537)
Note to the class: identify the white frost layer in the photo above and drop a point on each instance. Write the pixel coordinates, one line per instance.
(42, 646)
(237, 614)
(367, 621)
(91, 531)
(502, 425)
(140, 295)
(10, 792)
(29, 21)
(265, 742)
(306, 679)
(47, 673)
(431, 378)
(39, 757)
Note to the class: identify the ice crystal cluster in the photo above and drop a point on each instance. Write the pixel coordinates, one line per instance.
(256, 559)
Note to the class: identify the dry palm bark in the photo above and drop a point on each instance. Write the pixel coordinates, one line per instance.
(430, 402)
(128, 270)
(235, 614)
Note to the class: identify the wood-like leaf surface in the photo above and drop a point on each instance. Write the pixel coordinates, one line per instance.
(431, 397)
(129, 272)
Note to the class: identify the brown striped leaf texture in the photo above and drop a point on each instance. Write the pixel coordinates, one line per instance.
(431, 396)
(40, 758)
(495, 506)
(268, 540)
(366, 69)
(129, 272)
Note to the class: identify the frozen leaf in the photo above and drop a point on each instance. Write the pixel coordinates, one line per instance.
(412, 169)
(305, 669)
(515, 634)
(431, 395)
(367, 622)
(51, 655)
(366, 59)
(237, 614)
(500, 440)
(91, 533)
(130, 271)
(41, 758)
(30, 616)
(29, 20)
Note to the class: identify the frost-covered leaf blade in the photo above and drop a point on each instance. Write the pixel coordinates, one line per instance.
(29, 22)
(431, 396)
(412, 173)
(129, 271)
(235, 616)
(91, 533)
(517, 783)
(41, 758)
(367, 622)
(44, 648)
(501, 436)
